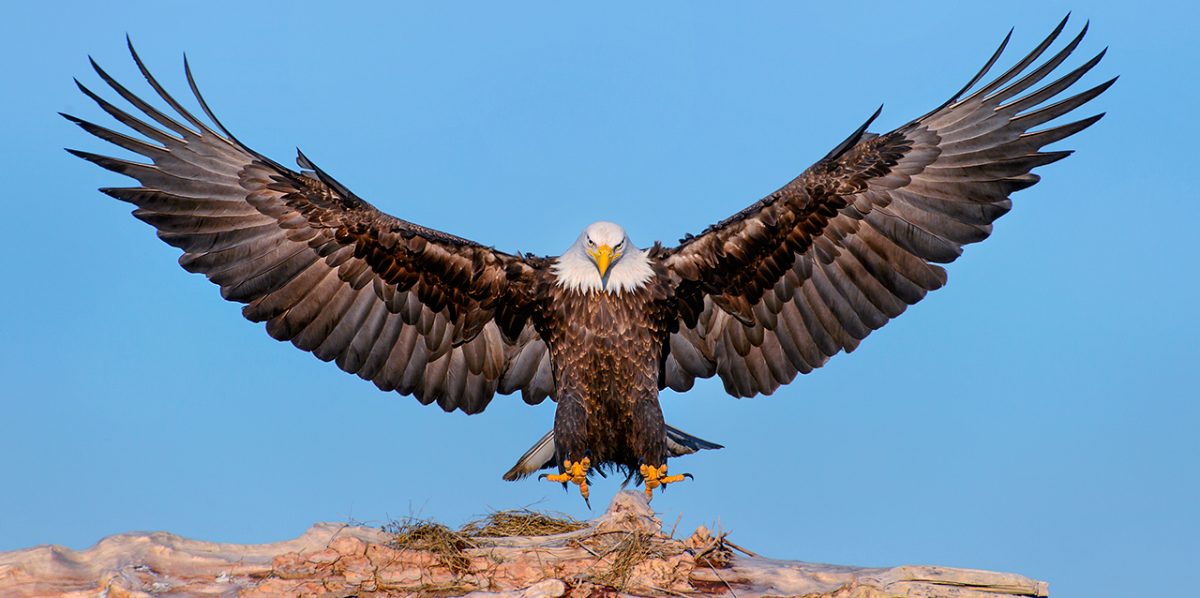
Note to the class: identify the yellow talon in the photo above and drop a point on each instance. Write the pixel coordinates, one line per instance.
(657, 476)
(575, 472)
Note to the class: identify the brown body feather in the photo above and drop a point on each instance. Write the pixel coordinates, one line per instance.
(606, 349)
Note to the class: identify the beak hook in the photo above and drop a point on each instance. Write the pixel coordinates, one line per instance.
(604, 259)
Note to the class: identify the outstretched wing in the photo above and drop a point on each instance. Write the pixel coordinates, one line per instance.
(411, 309)
(813, 268)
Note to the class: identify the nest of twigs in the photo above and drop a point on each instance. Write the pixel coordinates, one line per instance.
(450, 546)
(521, 522)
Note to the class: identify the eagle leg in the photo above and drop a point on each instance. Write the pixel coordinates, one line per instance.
(657, 476)
(575, 472)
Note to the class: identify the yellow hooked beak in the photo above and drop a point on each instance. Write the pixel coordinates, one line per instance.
(604, 257)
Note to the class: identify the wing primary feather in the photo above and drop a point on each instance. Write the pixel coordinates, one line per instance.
(118, 139)
(1040, 72)
(161, 201)
(979, 75)
(126, 119)
(1022, 64)
(1057, 109)
(116, 165)
(141, 104)
(1052, 89)
(162, 93)
(187, 71)
(1048, 136)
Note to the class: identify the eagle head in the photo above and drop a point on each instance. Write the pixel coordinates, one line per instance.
(604, 243)
(603, 259)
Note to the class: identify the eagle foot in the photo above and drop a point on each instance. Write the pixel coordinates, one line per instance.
(574, 472)
(657, 476)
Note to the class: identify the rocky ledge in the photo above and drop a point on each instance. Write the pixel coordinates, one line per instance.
(622, 553)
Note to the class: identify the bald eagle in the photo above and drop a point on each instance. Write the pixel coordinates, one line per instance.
(775, 290)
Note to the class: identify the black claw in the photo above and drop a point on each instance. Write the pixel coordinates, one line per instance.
(543, 476)
(587, 502)
(689, 476)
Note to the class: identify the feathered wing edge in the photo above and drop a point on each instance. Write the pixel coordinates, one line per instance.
(812, 269)
(412, 309)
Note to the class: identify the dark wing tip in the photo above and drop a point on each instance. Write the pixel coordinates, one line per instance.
(125, 194)
(1103, 87)
(187, 72)
(1063, 25)
(132, 51)
(987, 67)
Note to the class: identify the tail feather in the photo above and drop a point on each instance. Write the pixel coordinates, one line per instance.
(681, 443)
(541, 455)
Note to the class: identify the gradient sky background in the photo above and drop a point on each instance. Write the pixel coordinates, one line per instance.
(1038, 415)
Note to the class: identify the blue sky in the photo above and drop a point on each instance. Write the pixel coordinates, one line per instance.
(1038, 415)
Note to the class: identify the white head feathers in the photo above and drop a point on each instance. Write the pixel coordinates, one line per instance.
(603, 259)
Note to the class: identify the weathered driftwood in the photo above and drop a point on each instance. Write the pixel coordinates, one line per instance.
(623, 552)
